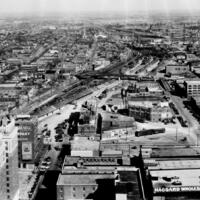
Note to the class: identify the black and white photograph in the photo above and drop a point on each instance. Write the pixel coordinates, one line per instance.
(99, 99)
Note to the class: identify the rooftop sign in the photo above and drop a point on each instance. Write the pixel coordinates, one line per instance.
(160, 190)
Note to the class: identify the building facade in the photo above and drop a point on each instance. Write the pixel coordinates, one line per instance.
(175, 179)
(177, 69)
(153, 114)
(27, 141)
(9, 184)
(113, 120)
(192, 88)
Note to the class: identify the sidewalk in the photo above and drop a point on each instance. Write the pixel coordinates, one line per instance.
(27, 180)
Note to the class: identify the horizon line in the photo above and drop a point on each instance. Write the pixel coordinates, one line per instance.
(91, 13)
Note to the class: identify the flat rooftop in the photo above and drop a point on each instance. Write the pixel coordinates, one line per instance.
(9, 85)
(175, 152)
(176, 164)
(193, 81)
(90, 161)
(82, 179)
(146, 104)
(88, 170)
(84, 144)
(187, 177)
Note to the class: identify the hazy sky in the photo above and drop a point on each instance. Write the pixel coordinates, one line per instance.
(46, 6)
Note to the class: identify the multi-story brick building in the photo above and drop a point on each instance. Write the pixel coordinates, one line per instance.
(177, 69)
(113, 120)
(192, 87)
(27, 141)
(9, 180)
(153, 113)
(98, 178)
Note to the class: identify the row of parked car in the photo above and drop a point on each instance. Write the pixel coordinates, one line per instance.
(46, 131)
(193, 110)
(172, 106)
(30, 193)
(180, 119)
(59, 129)
(182, 122)
(45, 164)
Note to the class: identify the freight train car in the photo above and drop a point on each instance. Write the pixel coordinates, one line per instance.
(149, 132)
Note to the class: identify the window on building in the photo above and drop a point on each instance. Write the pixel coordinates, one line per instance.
(7, 172)
(7, 166)
(7, 185)
(83, 188)
(74, 195)
(7, 179)
(8, 191)
(7, 155)
(8, 197)
(74, 189)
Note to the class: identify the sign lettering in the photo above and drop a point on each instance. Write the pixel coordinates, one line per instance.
(177, 189)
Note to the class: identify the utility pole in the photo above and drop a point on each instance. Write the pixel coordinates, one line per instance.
(176, 133)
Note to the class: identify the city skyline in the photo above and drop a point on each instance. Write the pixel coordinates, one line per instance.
(100, 99)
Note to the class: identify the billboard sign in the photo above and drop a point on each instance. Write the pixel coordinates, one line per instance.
(27, 151)
(175, 180)
(172, 189)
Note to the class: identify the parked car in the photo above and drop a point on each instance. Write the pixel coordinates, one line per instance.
(48, 162)
(48, 133)
(47, 158)
(176, 182)
(44, 167)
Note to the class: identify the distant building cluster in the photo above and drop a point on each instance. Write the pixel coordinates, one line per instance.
(93, 109)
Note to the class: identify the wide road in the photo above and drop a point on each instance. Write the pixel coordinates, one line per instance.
(193, 125)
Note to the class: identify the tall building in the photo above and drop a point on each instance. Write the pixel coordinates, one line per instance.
(154, 113)
(9, 179)
(28, 144)
(192, 88)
